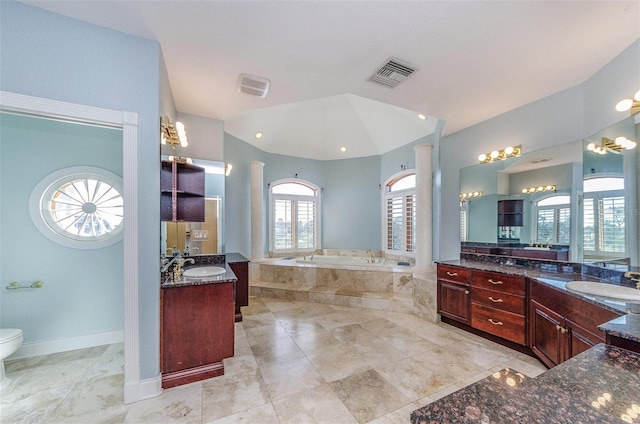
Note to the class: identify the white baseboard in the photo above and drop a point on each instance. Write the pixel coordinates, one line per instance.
(151, 387)
(62, 345)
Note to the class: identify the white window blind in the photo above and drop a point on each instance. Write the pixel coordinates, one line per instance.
(401, 223)
(294, 216)
(283, 225)
(611, 230)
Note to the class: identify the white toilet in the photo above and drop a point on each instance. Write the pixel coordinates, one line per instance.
(10, 341)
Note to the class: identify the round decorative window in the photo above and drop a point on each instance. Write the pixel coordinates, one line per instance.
(79, 207)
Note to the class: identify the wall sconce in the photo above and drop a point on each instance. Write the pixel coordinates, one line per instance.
(630, 104)
(470, 194)
(173, 135)
(539, 189)
(508, 152)
(227, 169)
(613, 146)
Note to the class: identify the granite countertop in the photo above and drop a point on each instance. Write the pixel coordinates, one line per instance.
(556, 276)
(601, 385)
(201, 260)
(232, 258)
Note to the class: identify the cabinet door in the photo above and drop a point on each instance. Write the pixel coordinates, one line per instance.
(454, 301)
(580, 339)
(546, 337)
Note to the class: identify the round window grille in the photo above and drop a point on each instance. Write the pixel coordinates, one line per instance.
(80, 207)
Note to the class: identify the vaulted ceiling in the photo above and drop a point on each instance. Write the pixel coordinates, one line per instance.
(474, 60)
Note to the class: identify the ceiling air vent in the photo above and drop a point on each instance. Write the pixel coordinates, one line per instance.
(253, 85)
(393, 73)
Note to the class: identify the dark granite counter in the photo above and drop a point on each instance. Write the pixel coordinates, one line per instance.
(558, 274)
(601, 385)
(233, 258)
(201, 260)
(625, 327)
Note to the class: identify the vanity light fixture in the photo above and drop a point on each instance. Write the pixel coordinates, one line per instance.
(508, 152)
(538, 189)
(632, 105)
(613, 146)
(227, 169)
(470, 194)
(174, 135)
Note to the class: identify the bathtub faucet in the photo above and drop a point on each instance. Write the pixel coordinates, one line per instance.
(373, 257)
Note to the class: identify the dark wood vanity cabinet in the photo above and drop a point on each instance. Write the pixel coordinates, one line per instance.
(454, 300)
(197, 332)
(182, 192)
(562, 326)
(241, 270)
(498, 305)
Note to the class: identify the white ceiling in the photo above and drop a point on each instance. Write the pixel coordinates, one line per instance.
(475, 60)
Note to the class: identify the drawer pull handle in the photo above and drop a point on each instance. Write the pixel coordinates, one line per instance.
(495, 282)
(466, 292)
(562, 329)
(452, 274)
(558, 327)
(495, 300)
(495, 322)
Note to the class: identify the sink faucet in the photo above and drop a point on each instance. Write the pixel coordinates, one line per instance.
(634, 276)
(373, 257)
(177, 268)
(165, 266)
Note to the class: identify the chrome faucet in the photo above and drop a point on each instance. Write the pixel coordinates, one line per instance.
(634, 276)
(373, 257)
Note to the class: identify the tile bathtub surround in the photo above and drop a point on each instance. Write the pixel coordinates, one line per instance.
(294, 362)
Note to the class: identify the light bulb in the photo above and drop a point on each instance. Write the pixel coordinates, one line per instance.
(476, 194)
(464, 195)
(624, 105)
(540, 188)
(637, 96)
(602, 151)
(508, 150)
(549, 187)
(524, 191)
(180, 127)
(495, 154)
(620, 141)
(591, 146)
(482, 157)
(631, 145)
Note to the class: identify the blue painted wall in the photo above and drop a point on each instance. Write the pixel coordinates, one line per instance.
(83, 291)
(48, 55)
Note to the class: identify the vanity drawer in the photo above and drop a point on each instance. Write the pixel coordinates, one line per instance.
(498, 300)
(512, 284)
(500, 323)
(454, 273)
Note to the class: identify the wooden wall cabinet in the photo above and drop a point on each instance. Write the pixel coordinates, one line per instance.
(197, 332)
(511, 213)
(182, 189)
(454, 288)
(562, 326)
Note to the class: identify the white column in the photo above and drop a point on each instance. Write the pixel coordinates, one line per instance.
(424, 208)
(257, 211)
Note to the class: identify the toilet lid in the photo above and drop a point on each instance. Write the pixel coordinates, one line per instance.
(7, 334)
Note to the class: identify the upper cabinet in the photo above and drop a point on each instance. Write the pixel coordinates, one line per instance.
(182, 192)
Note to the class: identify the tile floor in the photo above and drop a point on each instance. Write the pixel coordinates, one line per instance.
(295, 362)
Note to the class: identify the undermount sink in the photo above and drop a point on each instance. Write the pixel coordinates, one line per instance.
(604, 290)
(203, 272)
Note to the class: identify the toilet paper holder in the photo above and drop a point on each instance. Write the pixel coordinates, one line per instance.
(16, 285)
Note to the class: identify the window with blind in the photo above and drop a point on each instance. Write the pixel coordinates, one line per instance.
(400, 213)
(553, 220)
(604, 218)
(294, 216)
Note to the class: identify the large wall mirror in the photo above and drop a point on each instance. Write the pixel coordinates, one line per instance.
(200, 237)
(579, 203)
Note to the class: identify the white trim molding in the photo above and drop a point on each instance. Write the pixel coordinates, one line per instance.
(29, 350)
(128, 122)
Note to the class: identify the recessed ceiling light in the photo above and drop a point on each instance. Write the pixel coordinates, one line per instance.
(258, 135)
(343, 149)
(422, 116)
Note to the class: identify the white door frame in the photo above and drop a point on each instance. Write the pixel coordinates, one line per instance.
(128, 122)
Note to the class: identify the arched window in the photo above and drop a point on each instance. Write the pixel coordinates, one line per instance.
(295, 216)
(604, 218)
(400, 213)
(553, 219)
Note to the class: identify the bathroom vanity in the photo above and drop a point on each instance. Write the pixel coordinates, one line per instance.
(530, 310)
(197, 326)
